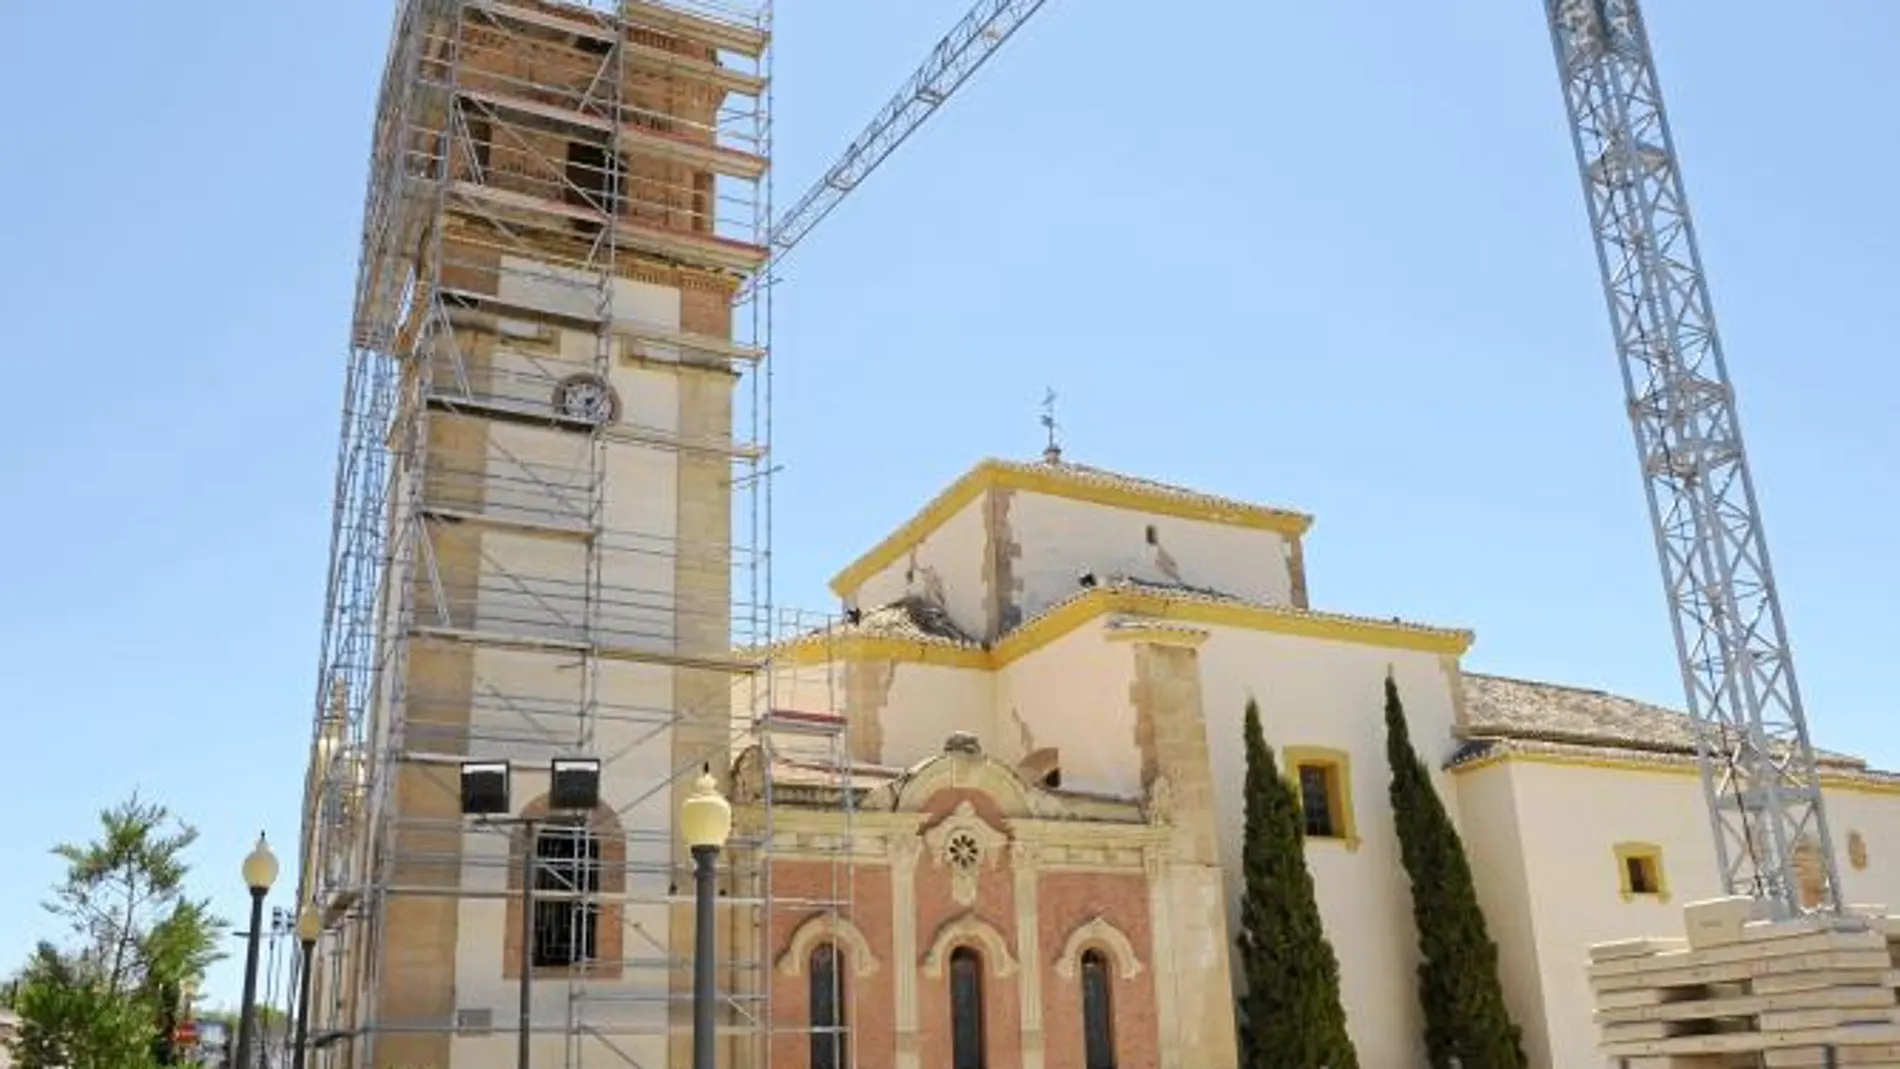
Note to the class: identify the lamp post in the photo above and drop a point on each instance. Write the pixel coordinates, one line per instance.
(260, 871)
(309, 927)
(705, 822)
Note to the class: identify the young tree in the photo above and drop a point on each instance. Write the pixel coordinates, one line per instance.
(140, 939)
(1458, 987)
(124, 897)
(1289, 1008)
(68, 1021)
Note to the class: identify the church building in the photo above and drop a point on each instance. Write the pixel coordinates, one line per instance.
(1041, 679)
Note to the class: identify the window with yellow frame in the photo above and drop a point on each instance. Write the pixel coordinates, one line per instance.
(1322, 780)
(1639, 872)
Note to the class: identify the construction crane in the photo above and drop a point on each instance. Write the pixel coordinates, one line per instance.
(1752, 747)
(974, 39)
(1757, 764)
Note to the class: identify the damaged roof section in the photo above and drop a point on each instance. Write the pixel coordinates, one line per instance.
(1505, 715)
(912, 617)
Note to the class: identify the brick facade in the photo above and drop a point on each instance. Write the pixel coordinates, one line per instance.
(974, 857)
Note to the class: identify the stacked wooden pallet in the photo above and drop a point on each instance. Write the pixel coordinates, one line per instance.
(1738, 992)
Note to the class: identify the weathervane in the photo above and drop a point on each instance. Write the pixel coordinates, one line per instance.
(1052, 452)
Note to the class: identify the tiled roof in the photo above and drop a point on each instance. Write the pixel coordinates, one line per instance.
(1520, 712)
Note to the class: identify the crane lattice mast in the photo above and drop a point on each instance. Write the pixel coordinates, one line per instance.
(1757, 765)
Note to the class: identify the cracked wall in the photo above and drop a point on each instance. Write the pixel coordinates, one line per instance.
(1002, 586)
(867, 692)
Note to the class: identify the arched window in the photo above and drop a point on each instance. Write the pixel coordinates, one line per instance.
(825, 971)
(966, 1009)
(566, 864)
(1098, 1022)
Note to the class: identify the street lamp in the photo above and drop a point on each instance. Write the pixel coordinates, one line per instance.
(705, 822)
(260, 871)
(309, 927)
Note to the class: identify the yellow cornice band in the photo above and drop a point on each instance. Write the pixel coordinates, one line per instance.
(1102, 601)
(1055, 482)
(1834, 781)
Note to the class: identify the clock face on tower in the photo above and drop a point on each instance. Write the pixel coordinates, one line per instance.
(586, 398)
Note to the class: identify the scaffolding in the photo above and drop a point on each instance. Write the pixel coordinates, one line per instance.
(551, 538)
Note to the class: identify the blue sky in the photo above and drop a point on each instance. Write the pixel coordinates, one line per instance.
(1343, 268)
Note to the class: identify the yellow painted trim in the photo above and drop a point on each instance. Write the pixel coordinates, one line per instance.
(805, 653)
(1065, 618)
(1054, 481)
(1648, 852)
(1338, 767)
(1102, 601)
(1830, 781)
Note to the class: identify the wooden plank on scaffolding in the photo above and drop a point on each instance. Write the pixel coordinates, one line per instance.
(727, 35)
(698, 249)
(716, 158)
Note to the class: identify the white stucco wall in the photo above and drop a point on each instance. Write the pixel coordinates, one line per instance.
(532, 475)
(572, 292)
(1073, 695)
(927, 703)
(1494, 847)
(1323, 693)
(1572, 817)
(949, 562)
(1061, 538)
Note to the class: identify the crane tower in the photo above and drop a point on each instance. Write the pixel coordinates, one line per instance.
(1757, 765)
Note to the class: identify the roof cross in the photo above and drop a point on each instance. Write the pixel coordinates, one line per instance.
(1051, 452)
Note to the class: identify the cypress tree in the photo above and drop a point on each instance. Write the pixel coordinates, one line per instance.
(1458, 987)
(1289, 1008)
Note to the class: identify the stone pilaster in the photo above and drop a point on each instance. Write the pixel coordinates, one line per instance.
(905, 851)
(1154, 862)
(1023, 864)
(1171, 731)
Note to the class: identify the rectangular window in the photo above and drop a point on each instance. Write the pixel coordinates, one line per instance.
(1642, 875)
(1639, 871)
(1316, 801)
(1322, 776)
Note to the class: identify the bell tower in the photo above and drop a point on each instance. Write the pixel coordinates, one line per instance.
(536, 554)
